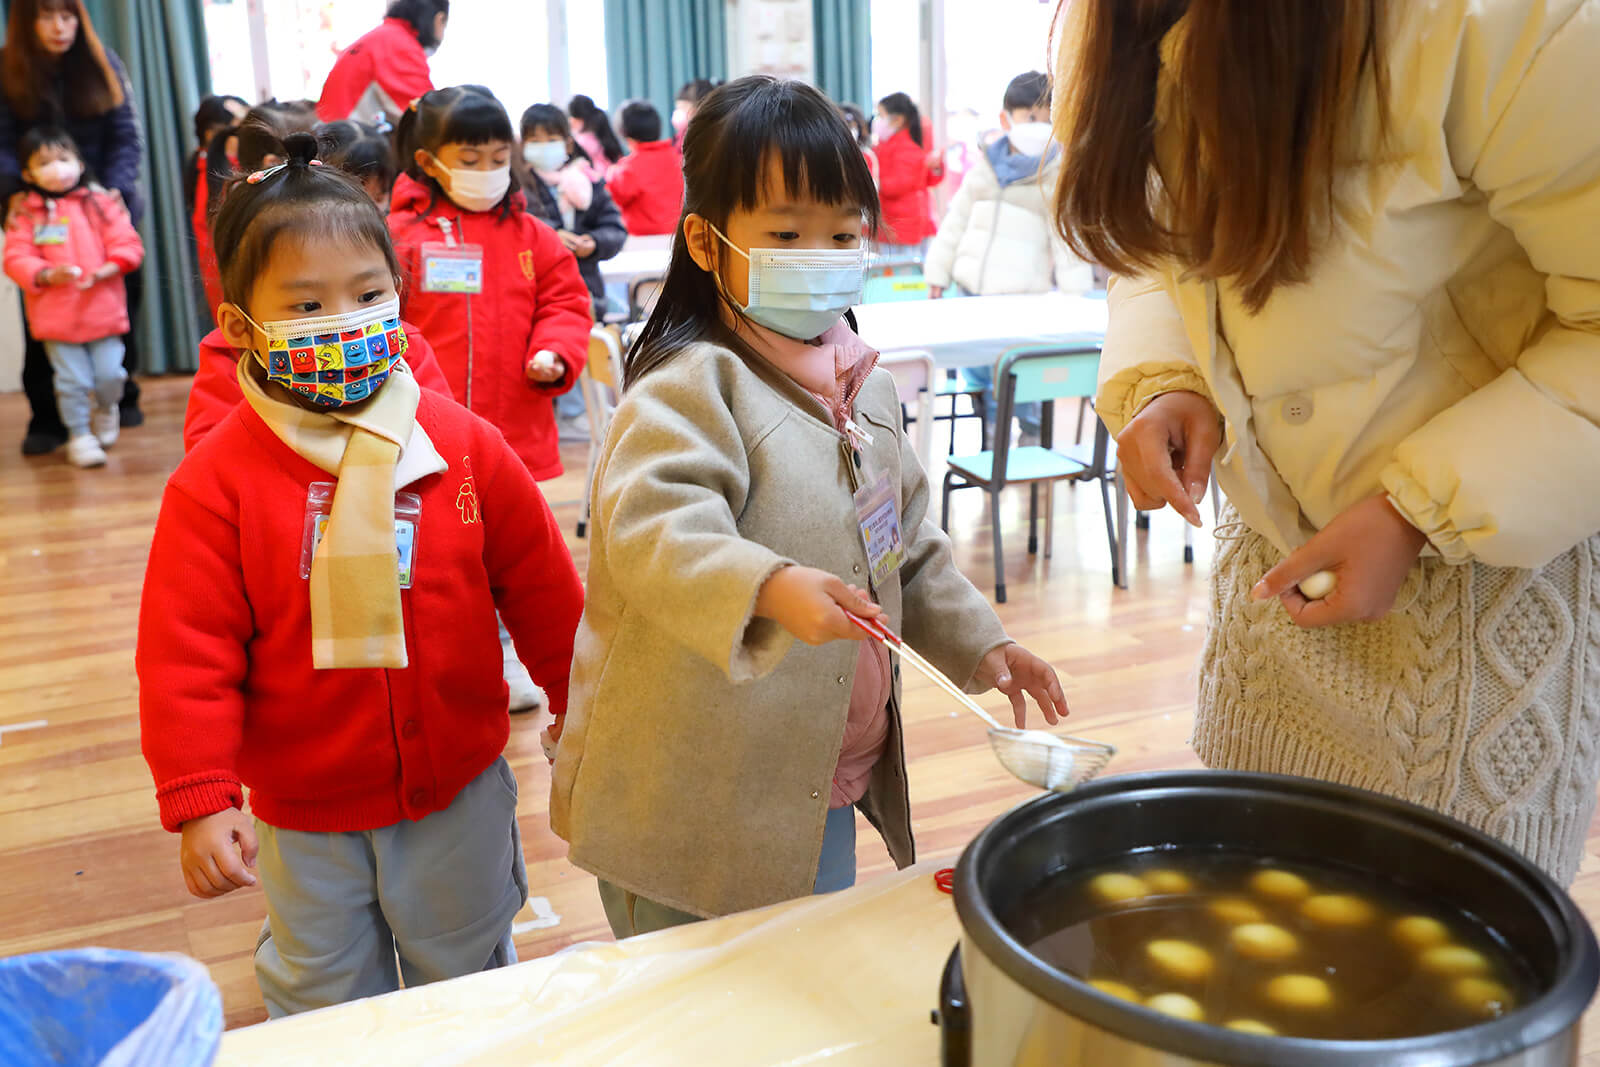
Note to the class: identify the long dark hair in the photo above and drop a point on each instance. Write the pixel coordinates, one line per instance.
(419, 15)
(902, 105)
(1261, 108)
(461, 114)
(90, 83)
(261, 133)
(596, 122)
(357, 149)
(301, 200)
(740, 128)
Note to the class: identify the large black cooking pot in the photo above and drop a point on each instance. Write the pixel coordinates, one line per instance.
(1020, 1010)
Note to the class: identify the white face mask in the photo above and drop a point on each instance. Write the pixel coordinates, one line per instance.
(546, 157)
(1030, 138)
(476, 190)
(801, 292)
(58, 176)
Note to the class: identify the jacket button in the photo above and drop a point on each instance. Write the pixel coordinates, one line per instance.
(841, 679)
(1297, 409)
(815, 794)
(419, 797)
(855, 568)
(410, 729)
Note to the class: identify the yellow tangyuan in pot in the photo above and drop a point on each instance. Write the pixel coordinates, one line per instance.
(1167, 882)
(1299, 992)
(1419, 932)
(1183, 960)
(1284, 886)
(1483, 997)
(1263, 941)
(1112, 988)
(1235, 910)
(1338, 909)
(1178, 1006)
(1117, 888)
(1252, 1026)
(1454, 961)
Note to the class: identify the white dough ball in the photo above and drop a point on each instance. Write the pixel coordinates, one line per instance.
(1318, 585)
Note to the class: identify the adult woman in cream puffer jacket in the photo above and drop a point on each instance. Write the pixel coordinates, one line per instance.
(1422, 417)
(999, 238)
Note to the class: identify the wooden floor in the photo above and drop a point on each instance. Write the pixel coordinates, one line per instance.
(84, 861)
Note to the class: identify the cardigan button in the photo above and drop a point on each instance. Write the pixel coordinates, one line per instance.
(855, 568)
(841, 679)
(1297, 409)
(410, 729)
(419, 797)
(815, 794)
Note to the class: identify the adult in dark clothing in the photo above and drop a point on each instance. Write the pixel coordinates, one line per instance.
(55, 72)
(561, 193)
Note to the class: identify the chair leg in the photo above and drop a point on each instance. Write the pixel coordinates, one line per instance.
(1117, 578)
(944, 513)
(1122, 530)
(1142, 520)
(1188, 543)
(1049, 517)
(1083, 409)
(1033, 518)
(999, 551)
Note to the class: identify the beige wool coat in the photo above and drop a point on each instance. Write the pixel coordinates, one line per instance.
(700, 742)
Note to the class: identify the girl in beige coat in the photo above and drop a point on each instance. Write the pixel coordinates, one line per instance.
(1376, 307)
(708, 763)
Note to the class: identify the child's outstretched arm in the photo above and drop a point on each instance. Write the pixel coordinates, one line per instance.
(949, 620)
(563, 311)
(531, 574)
(194, 622)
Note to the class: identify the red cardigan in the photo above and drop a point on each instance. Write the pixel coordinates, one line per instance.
(389, 57)
(98, 231)
(215, 389)
(903, 184)
(533, 299)
(227, 693)
(648, 187)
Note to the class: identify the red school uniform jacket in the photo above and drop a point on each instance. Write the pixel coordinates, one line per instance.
(227, 693)
(215, 389)
(648, 187)
(97, 231)
(903, 184)
(386, 68)
(205, 252)
(533, 299)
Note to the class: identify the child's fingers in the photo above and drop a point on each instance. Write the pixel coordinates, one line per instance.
(231, 866)
(208, 878)
(248, 846)
(1019, 707)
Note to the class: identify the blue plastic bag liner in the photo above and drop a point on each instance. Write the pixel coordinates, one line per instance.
(106, 1007)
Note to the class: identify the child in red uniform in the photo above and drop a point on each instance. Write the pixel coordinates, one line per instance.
(494, 288)
(68, 245)
(647, 184)
(318, 621)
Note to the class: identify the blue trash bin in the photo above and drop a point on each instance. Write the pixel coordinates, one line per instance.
(104, 1006)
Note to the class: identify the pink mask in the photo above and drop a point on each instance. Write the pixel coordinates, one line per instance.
(58, 176)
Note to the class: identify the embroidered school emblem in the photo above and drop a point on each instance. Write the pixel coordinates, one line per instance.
(467, 496)
(526, 259)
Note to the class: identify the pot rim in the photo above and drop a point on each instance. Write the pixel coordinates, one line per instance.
(1538, 1021)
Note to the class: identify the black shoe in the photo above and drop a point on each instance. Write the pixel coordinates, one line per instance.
(38, 443)
(130, 417)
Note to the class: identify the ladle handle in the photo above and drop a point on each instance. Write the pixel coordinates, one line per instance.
(879, 632)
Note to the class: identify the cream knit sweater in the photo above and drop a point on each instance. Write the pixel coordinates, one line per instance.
(1481, 698)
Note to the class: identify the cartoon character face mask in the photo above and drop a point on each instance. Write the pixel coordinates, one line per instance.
(334, 360)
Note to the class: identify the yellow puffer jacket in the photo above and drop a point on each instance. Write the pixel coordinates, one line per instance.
(1447, 347)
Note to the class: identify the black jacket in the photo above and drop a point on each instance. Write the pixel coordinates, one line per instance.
(110, 143)
(602, 221)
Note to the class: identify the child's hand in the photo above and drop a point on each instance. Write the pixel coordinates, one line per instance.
(811, 604)
(582, 246)
(216, 851)
(1014, 670)
(104, 272)
(1369, 547)
(935, 292)
(1165, 453)
(60, 274)
(546, 367)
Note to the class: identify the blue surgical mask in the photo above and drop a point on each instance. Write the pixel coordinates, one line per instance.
(801, 292)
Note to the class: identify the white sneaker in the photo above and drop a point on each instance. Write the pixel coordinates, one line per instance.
(106, 425)
(523, 694)
(85, 451)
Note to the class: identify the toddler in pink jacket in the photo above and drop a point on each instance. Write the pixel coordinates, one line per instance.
(68, 243)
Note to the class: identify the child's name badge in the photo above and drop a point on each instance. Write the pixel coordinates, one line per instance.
(50, 233)
(407, 516)
(452, 268)
(880, 528)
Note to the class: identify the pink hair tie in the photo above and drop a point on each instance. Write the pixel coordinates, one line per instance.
(262, 175)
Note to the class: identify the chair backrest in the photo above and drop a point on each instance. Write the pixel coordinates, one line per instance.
(878, 266)
(1039, 374)
(642, 294)
(913, 371)
(892, 288)
(605, 358)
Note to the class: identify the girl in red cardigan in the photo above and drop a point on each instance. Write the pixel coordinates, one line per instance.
(494, 288)
(318, 621)
(907, 170)
(68, 245)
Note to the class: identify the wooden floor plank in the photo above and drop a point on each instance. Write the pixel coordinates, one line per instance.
(83, 859)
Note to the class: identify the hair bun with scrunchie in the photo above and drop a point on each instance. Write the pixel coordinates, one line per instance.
(300, 149)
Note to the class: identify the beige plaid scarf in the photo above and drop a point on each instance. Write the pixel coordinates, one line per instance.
(355, 584)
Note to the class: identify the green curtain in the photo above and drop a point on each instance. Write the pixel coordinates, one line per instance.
(654, 46)
(163, 45)
(842, 42)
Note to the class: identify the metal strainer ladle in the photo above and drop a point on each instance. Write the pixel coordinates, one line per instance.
(1038, 757)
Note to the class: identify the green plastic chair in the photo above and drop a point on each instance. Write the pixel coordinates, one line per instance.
(1038, 374)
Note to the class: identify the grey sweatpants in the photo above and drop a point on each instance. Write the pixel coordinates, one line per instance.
(87, 376)
(438, 893)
